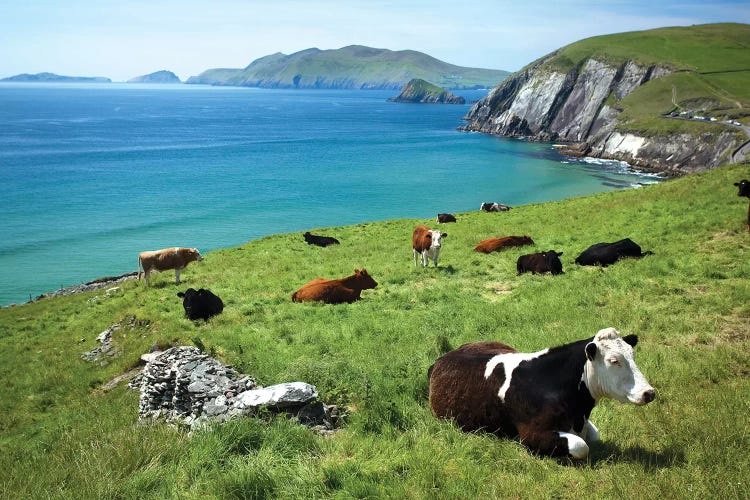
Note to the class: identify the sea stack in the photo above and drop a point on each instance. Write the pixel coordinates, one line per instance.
(421, 91)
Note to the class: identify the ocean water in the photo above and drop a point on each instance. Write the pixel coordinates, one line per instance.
(90, 175)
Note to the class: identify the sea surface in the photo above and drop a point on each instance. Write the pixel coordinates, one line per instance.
(92, 174)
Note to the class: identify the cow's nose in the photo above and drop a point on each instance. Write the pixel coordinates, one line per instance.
(649, 396)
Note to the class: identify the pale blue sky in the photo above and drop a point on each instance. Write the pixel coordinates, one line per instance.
(123, 39)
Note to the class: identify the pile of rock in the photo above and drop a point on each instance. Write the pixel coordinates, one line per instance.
(106, 348)
(184, 385)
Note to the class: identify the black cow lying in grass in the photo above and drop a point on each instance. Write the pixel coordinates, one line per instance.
(200, 304)
(604, 254)
(744, 186)
(443, 218)
(321, 241)
(543, 262)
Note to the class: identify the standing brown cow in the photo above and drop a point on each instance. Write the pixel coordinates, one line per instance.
(427, 243)
(167, 258)
(494, 244)
(335, 291)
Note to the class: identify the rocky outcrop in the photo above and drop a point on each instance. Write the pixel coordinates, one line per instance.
(579, 107)
(183, 385)
(156, 77)
(422, 92)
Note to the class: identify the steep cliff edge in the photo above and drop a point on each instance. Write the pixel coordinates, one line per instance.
(620, 107)
(422, 92)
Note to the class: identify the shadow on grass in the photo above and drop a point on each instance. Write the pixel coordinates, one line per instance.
(650, 460)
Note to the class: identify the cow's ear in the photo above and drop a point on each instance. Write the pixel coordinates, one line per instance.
(631, 340)
(559, 253)
(737, 184)
(180, 294)
(591, 351)
(443, 235)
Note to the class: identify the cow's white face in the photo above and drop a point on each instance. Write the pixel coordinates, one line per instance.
(611, 370)
(437, 238)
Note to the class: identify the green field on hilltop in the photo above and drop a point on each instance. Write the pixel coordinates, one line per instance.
(63, 435)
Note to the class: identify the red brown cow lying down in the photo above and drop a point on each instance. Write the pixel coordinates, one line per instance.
(167, 258)
(336, 291)
(494, 244)
(544, 398)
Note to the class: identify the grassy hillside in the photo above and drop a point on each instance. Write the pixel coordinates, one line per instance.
(354, 66)
(63, 435)
(712, 79)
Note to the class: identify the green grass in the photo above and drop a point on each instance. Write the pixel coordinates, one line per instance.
(62, 435)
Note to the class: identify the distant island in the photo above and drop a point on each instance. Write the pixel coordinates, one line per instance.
(162, 76)
(420, 91)
(351, 67)
(51, 77)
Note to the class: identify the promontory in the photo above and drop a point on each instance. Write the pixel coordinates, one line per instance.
(53, 78)
(673, 100)
(162, 76)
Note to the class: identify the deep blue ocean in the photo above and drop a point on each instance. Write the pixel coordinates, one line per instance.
(92, 174)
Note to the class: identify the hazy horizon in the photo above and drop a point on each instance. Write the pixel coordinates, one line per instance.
(124, 40)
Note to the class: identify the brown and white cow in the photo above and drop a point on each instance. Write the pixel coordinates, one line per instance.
(176, 258)
(335, 291)
(494, 244)
(744, 190)
(543, 398)
(427, 243)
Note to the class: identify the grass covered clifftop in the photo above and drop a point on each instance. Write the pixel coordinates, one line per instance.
(64, 435)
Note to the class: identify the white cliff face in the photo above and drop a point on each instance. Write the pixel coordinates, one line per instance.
(551, 106)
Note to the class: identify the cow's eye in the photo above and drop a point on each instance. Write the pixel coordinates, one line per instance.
(614, 361)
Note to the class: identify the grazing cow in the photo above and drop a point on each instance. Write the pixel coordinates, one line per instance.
(200, 304)
(604, 254)
(167, 258)
(493, 207)
(744, 186)
(321, 241)
(426, 242)
(337, 291)
(543, 398)
(543, 262)
(494, 244)
(443, 218)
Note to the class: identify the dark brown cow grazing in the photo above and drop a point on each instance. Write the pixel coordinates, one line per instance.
(494, 244)
(167, 258)
(443, 218)
(544, 262)
(335, 291)
(543, 398)
(427, 243)
(744, 186)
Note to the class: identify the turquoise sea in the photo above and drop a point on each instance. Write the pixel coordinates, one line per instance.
(92, 174)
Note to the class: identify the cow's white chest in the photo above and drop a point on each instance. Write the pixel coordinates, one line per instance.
(509, 363)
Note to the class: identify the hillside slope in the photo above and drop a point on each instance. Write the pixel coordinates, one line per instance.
(351, 67)
(65, 433)
(612, 95)
(420, 91)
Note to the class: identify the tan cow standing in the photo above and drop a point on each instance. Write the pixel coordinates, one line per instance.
(167, 258)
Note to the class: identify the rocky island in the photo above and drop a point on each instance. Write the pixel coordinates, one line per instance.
(351, 67)
(162, 76)
(421, 91)
(632, 97)
(51, 77)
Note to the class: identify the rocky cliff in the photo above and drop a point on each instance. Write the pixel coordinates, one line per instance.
(420, 91)
(580, 107)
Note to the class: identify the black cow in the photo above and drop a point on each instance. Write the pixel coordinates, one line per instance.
(321, 241)
(442, 218)
(544, 398)
(200, 304)
(543, 262)
(604, 254)
(494, 207)
(744, 186)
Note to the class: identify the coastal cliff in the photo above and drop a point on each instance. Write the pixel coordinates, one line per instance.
(422, 92)
(616, 108)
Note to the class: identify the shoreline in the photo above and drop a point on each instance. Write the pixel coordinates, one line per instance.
(96, 284)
